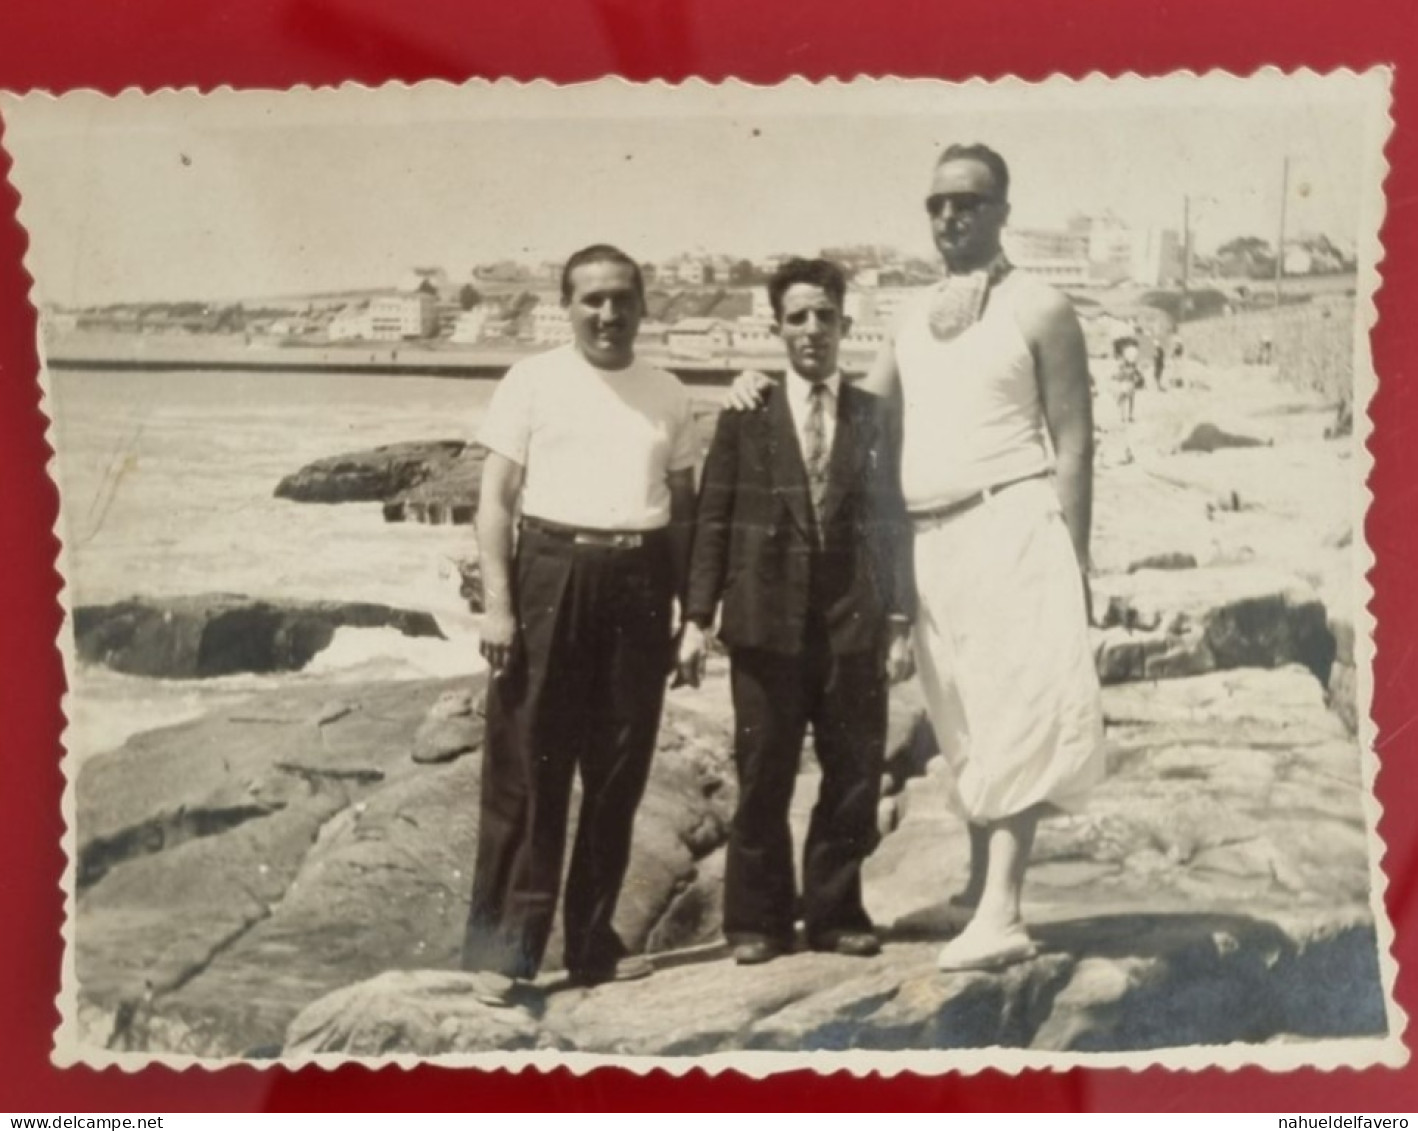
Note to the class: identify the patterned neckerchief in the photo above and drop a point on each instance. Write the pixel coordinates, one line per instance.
(959, 301)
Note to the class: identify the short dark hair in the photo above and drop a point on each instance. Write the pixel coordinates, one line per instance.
(600, 253)
(814, 272)
(975, 151)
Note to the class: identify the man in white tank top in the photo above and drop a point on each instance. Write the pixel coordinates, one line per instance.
(990, 373)
(995, 403)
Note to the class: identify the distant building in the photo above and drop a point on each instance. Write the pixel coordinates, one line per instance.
(550, 326)
(1109, 246)
(1157, 257)
(755, 332)
(1096, 251)
(350, 324)
(720, 268)
(1059, 257)
(392, 318)
(469, 326)
(693, 272)
(699, 337)
(762, 306)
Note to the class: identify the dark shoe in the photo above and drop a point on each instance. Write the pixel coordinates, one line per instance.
(755, 952)
(631, 968)
(856, 944)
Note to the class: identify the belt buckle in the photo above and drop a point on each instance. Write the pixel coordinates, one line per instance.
(608, 539)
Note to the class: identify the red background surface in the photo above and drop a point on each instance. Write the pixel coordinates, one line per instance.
(64, 44)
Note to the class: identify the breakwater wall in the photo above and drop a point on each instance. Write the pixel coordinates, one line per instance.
(153, 352)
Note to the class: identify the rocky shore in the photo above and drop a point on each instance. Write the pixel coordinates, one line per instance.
(215, 634)
(289, 876)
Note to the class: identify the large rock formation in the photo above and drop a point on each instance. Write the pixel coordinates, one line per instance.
(1207, 437)
(1105, 983)
(284, 876)
(235, 868)
(433, 481)
(212, 634)
(1163, 624)
(1216, 891)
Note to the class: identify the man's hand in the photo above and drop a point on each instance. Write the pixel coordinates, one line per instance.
(900, 661)
(746, 393)
(689, 667)
(499, 630)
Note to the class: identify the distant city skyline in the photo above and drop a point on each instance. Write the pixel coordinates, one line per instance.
(242, 195)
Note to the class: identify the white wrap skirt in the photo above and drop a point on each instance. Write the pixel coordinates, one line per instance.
(1004, 657)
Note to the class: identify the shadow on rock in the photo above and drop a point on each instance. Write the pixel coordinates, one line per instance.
(1150, 981)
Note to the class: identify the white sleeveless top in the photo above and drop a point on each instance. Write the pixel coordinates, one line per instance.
(973, 414)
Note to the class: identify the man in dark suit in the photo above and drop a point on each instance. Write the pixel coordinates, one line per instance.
(801, 534)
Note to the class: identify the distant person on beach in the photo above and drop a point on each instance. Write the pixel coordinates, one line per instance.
(990, 369)
(596, 451)
(1159, 363)
(1127, 377)
(801, 537)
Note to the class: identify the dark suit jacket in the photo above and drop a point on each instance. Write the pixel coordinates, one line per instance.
(756, 546)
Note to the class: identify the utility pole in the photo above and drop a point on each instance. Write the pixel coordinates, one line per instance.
(1280, 237)
(1186, 244)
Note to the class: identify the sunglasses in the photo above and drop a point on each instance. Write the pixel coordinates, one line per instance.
(961, 203)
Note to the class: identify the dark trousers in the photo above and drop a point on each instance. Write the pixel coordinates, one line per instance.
(582, 691)
(775, 697)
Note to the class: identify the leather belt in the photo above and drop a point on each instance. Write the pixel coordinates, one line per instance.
(579, 536)
(970, 502)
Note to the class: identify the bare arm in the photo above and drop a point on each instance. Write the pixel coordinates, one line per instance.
(1061, 361)
(497, 504)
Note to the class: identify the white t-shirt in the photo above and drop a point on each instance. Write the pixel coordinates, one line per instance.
(597, 444)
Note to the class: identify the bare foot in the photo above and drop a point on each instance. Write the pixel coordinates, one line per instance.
(986, 947)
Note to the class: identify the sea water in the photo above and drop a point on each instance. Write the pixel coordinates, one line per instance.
(167, 485)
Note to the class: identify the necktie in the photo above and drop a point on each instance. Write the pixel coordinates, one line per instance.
(815, 454)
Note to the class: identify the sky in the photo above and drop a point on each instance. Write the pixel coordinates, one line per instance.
(248, 194)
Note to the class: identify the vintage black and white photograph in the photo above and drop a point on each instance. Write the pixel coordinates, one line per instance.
(855, 575)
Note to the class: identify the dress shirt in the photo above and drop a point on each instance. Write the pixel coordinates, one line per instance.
(799, 391)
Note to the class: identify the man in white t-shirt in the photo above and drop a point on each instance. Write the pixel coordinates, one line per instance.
(595, 450)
